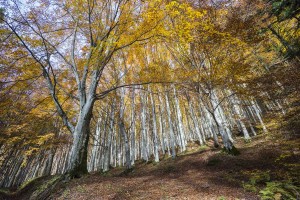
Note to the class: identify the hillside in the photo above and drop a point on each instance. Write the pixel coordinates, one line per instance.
(201, 173)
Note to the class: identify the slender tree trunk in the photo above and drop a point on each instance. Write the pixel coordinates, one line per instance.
(172, 137)
(162, 126)
(143, 129)
(226, 141)
(218, 121)
(195, 122)
(132, 128)
(255, 107)
(235, 102)
(123, 130)
(155, 142)
(108, 146)
(179, 119)
(49, 162)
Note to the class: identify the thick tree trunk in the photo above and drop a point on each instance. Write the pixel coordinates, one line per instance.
(78, 156)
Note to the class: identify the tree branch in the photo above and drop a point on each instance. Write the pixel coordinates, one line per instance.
(105, 93)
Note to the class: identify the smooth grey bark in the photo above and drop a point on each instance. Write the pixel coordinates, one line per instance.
(132, 128)
(123, 130)
(49, 162)
(189, 133)
(171, 131)
(215, 113)
(119, 149)
(244, 129)
(155, 140)
(78, 154)
(179, 120)
(107, 148)
(162, 126)
(93, 161)
(256, 109)
(195, 121)
(252, 128)
(143, 147)
(200, 118)
(237, 111)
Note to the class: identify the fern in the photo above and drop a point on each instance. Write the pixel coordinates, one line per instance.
(281, 190)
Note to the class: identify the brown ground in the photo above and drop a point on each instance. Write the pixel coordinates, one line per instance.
(204, 174)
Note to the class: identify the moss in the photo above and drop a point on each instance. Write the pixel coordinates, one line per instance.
(127, 171)
(247, 141)
(27, 183)
(106, 174)
(4, 192)
(37, 188)
(42, 190)
(203, 148)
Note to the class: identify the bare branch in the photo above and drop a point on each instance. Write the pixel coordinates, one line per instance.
(105, 93)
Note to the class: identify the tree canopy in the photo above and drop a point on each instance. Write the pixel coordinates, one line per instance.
(94, 83)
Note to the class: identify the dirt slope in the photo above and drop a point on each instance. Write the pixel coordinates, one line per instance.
(204, 174)
(201, 173)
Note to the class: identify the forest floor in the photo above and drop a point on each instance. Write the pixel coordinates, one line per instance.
(204, 173)
(268, 166)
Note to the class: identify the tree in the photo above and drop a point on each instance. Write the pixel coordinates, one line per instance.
(74, 48)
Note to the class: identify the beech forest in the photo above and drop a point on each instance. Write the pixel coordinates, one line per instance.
(150, 99)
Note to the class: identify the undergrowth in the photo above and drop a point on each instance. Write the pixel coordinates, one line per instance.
(260, 182)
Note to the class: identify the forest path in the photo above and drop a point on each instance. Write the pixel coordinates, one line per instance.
(206, 173)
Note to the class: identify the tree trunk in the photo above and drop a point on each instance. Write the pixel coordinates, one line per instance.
(123, 131)
(126, 144)
(172, 136)
(132, 129)
(195, 122)
(107, 148)
(78, 156)
(143, 129)
(162, 126)
(179, 119)
(155, 143)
